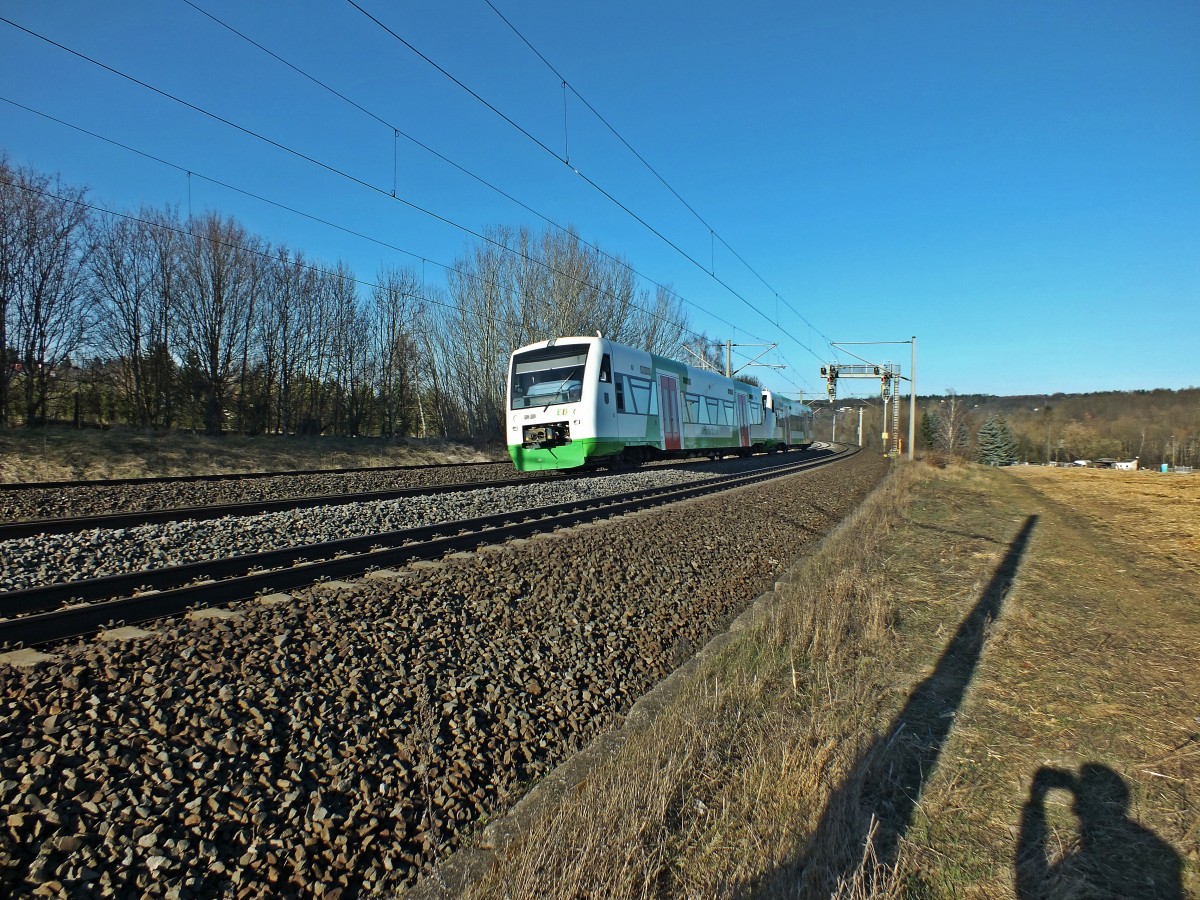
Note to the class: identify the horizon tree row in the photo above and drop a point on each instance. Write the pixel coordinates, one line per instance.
(1164, 432)
(160, 322)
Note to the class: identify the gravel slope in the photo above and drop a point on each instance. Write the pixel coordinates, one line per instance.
(337, 743)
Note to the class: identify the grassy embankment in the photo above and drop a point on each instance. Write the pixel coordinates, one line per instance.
(63, 454)
(988, 679)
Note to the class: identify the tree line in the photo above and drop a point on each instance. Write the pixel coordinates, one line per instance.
(160, 321)
(1154, 426)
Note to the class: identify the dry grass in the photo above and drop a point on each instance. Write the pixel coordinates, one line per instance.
(720, 790)
(62, 454)
(975, 669)
(1091, 679)
(1159, 512)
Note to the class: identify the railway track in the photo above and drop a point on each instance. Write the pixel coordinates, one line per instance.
(46, 502)
(29, 486)
(56, 612)
(69, 525)
(130, 502)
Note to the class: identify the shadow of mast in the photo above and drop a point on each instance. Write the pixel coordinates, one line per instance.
(877, 800)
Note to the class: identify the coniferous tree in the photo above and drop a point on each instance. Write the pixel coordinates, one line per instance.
(996, 444)
(931, 425)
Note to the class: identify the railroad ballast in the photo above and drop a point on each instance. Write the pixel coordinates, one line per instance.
(587, 401)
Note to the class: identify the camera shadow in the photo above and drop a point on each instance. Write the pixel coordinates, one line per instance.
(1112, 856)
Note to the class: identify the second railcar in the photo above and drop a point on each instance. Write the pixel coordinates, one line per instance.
(793, 422)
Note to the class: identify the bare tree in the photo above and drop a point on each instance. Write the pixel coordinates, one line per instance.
(475, 337)
(320, 326)
(350, 351)
(290, 294)
(952, 429)
(393, 316)
(520, 288)
(217, 303)
(135, 269)
(11, 265)
(660, 325)
(42, 281)
(166, 241)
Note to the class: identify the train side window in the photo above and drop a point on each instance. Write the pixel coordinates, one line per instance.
(641, 395)
(619, 386)
(606, 368)
(692, 408)
(712, 411)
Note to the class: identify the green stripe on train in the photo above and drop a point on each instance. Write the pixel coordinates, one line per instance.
(568, 456)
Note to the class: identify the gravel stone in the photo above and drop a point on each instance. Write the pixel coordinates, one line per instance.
(57, 558)
(342, 741)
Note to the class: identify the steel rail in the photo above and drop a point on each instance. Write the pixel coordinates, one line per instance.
(171, 591)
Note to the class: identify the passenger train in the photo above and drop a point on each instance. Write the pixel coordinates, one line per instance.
(587, 401)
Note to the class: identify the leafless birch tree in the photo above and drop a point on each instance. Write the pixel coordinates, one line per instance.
(520, 288)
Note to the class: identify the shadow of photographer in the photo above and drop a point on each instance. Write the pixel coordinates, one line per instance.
(870, 811)
(1114, 857)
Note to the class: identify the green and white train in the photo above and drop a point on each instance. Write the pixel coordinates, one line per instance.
(586, 401)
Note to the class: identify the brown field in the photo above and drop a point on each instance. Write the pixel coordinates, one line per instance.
(984, 685)
(1160, 512)
(64, 454)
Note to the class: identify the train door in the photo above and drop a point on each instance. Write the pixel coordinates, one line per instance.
(787, 428)
(608, 402)
(668, 408)
(743, 413)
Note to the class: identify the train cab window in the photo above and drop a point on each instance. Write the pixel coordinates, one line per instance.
(619, 387)
(606, 368)
(547, 375)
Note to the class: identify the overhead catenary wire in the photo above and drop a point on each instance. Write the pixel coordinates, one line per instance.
(326, 166)
(359, 181)
(587, 179)
(310, 216)
(267, 252)
(316, 219)
(262, 253)
(612, 129)
(363, 183)
(398, 132)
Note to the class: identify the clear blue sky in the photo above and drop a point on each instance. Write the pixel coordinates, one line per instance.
(1015, 183)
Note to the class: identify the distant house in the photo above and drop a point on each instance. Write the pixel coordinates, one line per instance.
(1125, 465)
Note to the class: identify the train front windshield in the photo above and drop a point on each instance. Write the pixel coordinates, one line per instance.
(547, 375)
